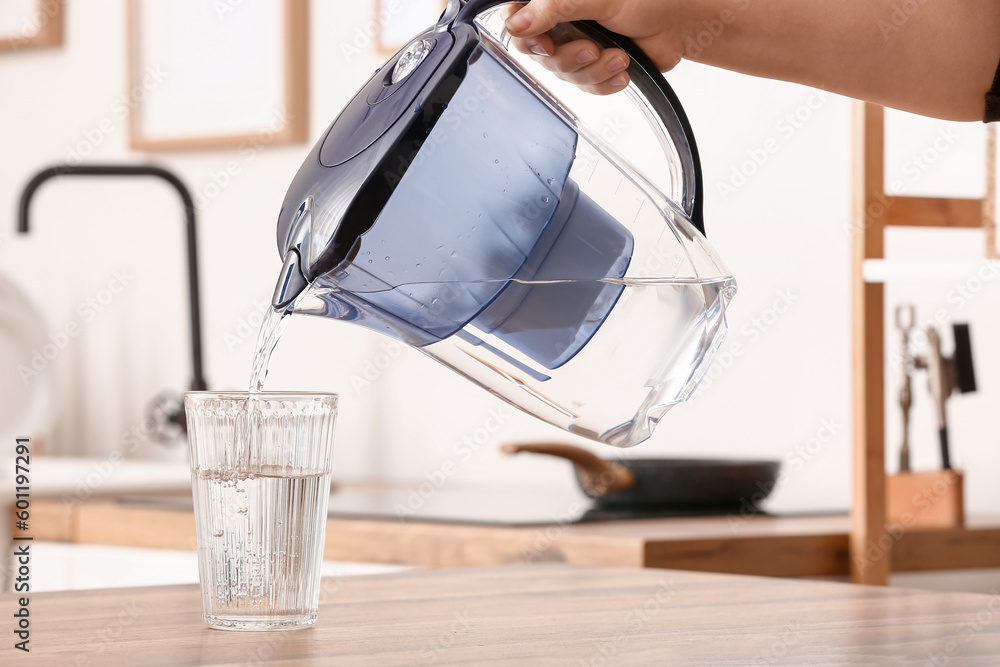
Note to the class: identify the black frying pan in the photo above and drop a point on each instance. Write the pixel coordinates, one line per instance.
(663, 483)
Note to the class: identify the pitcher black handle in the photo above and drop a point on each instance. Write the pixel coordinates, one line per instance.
(647, 78)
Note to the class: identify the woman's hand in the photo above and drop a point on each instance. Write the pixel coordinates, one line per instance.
(656, 27)
(938, 60)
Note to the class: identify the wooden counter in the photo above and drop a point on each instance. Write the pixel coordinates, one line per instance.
(759, 545)
(540, 615)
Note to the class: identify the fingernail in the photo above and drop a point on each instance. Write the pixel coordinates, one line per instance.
(619, 81)
(539, 50)
(519, 22)
(586, 57)
(617, 64)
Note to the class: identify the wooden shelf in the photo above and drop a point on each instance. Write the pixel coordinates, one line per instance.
(875, 211)
(891, 270)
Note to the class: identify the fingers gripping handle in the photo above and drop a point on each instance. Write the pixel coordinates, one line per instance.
(647, 78)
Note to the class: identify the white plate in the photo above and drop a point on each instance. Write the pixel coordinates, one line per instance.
(24, 402)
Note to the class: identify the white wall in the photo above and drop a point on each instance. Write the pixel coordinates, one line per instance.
(781, 231)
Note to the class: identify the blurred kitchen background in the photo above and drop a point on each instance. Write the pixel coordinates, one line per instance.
(778, 170)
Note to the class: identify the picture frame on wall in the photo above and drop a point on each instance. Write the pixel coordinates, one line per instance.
(397, 22)
(30, 24)
(208, 75)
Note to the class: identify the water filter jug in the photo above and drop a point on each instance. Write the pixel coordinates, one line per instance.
(458, 205)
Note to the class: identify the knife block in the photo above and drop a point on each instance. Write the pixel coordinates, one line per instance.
(927, 500)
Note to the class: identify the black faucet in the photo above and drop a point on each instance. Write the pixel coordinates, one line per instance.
(171, 414)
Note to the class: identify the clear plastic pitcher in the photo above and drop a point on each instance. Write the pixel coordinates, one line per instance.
(459, 206)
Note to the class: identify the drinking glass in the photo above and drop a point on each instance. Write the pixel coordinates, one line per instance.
(260, 468)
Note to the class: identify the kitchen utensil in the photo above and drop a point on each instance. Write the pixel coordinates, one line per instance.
(905, 320)
(674, 483)
(260, 468)
(947, 375)
(458, 205)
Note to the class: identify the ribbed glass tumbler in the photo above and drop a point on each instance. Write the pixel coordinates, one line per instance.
(260, 468)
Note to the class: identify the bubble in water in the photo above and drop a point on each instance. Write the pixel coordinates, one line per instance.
(218, 533)
(485, 136)
(496, 161)
(545, 199)
(369, 261)
(242, 510)
(387, 258)
(551, 181)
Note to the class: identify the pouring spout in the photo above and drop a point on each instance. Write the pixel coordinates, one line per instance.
(291, 282)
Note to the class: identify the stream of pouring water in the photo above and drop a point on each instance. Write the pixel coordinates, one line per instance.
(270, 332)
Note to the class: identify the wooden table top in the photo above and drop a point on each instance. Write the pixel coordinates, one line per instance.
(530, 615)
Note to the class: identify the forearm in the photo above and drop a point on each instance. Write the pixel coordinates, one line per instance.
(939, 59)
